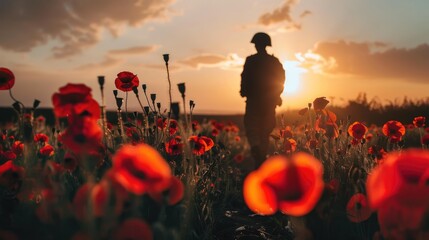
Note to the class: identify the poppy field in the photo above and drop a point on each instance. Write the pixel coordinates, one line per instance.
(158, 173)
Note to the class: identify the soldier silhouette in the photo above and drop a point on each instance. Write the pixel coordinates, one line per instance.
(262, 82)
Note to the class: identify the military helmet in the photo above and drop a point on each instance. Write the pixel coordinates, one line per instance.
(262, 39)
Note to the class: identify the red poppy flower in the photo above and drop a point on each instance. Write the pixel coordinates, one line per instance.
(312, 144)
(133, 134)
(11, 175)
(201, 144)
(95, 200)
(289, 145)
(333, 185)
(172, 195)
(141, 168)
(82, 135)
(394, 130)
(195, 125)
(174, 126)
(161, 123)
(174, 146)
(327, 123)
(396, 184)
(74, 99)
(215, 132)
(358, 209)
(40, 137)
(133, 229)
(237, 138)
(357, 130)
(126, 81)
(320, 103)
(419, 121)
(47, 150)
(292, 186)
(17, 147)
(7, 155)
(286, 133)
(7, 79)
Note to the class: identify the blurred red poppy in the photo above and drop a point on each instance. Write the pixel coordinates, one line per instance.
(41, 138)
(174, 126)
(7, 79)
(419, 121)
(174, 146)
(201, 144)
(357, 130)
(161, 123)
(394, 188)
(140, 169)
(17, 147)
(195, 125)
(358, 209)
(293, 186)
(320, 103)
(11, 175)
(94, 200)
(47, 150)
(82, 135)
(215, 132)
(239, 158)
(289, 145)
(172, 195)
(133, 229)
(126, 81)
(74, 99)
(394, 130)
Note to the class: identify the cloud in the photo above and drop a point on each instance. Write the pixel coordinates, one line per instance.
(75, 25)
(367, 60)
(203, 59)
(133, 50)
(305, 14)
(213, 60)
(282, 14)
(107, 62)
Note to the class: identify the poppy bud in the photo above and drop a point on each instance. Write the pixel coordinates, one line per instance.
(309, 105)
(36, 103)
(182, 88)
(175, 109)
(144, 87)
(16, 106)
(146, 110)
(158, 105)
(119, 103)
(115, 92)
(101, 81)
(136, 114)
(135, 90)
(166, 58)
(153, 97)
(191, 104)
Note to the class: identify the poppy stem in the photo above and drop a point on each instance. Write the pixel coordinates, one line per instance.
(126, 101)
(169, 89)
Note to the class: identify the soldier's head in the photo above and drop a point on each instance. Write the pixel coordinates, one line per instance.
(261, 41)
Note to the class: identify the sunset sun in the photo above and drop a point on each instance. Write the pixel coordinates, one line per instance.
(293, 76)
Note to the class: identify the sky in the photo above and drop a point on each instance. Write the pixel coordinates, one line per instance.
(331, 48)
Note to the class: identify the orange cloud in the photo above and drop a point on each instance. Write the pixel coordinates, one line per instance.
(282, 14)
(76, 25)
(133, 50)
(105, 63)
(213, 60)
(367, 60)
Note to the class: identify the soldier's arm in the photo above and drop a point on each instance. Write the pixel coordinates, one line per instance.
(244, 79)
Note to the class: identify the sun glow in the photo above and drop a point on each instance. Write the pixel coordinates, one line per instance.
(293, 76)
